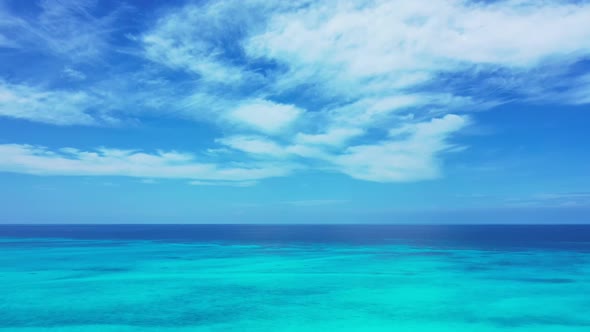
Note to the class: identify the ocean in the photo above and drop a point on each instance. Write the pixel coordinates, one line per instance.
(294, 278)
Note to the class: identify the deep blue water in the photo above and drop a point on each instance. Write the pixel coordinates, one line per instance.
(565, 237)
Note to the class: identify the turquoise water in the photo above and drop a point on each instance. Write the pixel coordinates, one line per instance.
(133, 284)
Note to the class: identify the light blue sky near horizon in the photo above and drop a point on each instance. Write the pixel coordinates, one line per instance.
(299, 112)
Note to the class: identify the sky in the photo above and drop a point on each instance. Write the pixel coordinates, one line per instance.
(298, 111)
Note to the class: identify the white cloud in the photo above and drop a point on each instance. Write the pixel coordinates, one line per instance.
(410, 153)
(74, 74)
(38, 160)
(253, 144)
(263, 147)
(57, 107)
(376, 50)
(264, 115)
(369, 38)
(371, 111)
(333, 136)
(411, 158)
(307, 151)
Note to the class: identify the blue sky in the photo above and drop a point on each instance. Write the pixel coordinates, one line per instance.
(299, 111)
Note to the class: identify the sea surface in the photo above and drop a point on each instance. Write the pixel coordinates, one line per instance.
(294, 278)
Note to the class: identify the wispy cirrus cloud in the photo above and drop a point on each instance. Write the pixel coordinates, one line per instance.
(39, 160)
(565, 90)
(560, 199)
(63, 28)
(201, 39)
(224, 183)
(23, 101)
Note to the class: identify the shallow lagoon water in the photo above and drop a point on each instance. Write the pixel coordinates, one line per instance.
(295, 278)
